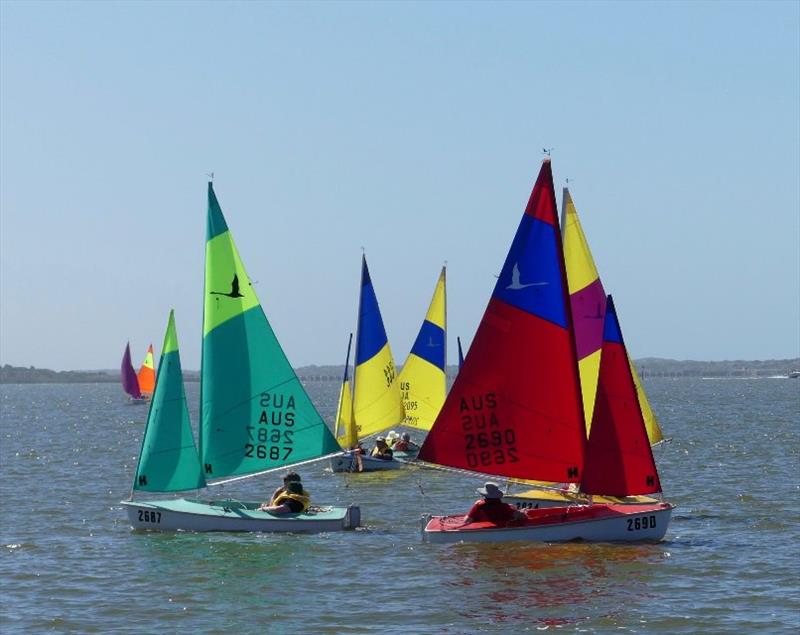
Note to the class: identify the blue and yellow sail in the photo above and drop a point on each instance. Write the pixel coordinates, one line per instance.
(376, 393)
(423, 379)
(168, 460)
(255, 413)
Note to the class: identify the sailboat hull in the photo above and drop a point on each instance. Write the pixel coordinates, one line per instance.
(348, 462)
(230, 515)
(593, 523)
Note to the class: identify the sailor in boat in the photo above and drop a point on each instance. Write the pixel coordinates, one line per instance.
(381, 450)
(293, 500)
(492, 509)
(392, 438)
(289, 477)
(405, 444)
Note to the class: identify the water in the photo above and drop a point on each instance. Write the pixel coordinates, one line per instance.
(69, 562)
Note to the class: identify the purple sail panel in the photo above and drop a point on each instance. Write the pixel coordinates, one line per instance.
(130, 384)
(588, 313)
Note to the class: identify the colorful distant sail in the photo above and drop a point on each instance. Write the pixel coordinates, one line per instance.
(376, 399)
(346, 433)
(619, 460)
(515, 408)
(587, 300)
(147, 373)
(168, 461)
(423, 379)
(130, 384)
(255, 413)
(460, 354)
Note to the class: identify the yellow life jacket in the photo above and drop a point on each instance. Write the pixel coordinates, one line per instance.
(304, 499)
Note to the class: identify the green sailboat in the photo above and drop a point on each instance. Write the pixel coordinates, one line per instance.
(255, 415)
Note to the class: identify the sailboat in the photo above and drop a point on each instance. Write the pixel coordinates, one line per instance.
(587, 303)
(376, 402)
(255, 416)
(130, 383)
(147, 374)
(423, 379)
(516, 408)
(460, 354)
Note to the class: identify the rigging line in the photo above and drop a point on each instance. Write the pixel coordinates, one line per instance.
(273, 469)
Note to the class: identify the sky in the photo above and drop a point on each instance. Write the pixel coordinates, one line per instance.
(413, 130)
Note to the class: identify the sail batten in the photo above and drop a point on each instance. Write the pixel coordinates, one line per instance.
(255, 414)
(515, 408)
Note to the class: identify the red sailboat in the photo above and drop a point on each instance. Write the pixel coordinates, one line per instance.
(515, 409)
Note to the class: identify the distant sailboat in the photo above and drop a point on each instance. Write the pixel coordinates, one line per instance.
(256, 416)
(130, 383)
(147, 374)
(460, 354)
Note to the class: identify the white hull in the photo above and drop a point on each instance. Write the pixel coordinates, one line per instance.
(194, 515)
(348, 462)
(648, 525)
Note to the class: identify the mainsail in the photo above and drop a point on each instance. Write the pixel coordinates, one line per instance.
(515, 408)
(168, 460)
(423, 379)
(255, 413)
(588, 305)
(147, 373)
(128, 375)
(619, 460)
(376, 395)
(346, 433)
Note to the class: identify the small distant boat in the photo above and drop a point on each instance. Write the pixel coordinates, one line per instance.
(376, 403)
(793, 374)
(516, 407)
(147, 374)
(130, 383)
(256, 417)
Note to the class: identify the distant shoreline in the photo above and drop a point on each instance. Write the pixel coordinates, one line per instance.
(648, 367)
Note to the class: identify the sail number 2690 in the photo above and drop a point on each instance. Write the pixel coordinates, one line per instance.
(646, 522)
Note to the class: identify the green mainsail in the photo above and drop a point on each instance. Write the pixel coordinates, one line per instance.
(255, 414)
(168, 461)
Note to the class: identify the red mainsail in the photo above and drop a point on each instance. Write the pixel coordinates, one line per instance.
(515, 409)
(619, 461)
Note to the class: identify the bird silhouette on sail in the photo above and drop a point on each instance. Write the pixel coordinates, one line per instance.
(517, 284)
(234, 293)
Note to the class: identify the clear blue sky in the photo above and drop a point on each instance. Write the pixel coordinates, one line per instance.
(414, 130)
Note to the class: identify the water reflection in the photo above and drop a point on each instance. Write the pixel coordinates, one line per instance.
(550, 584)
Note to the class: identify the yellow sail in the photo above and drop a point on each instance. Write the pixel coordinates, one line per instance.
(588, 300)
(346, 433)
(423, 380)
(376, 398)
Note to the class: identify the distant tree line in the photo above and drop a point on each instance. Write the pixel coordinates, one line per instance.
(647, 367)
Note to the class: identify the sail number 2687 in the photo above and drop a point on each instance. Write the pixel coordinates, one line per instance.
(146, 516)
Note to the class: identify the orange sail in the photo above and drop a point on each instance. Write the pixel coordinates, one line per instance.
(147, 373)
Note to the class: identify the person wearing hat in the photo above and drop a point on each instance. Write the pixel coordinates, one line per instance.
(293, 500)
(404, 444)
(289, 477)
(381, 450)
(491, 508)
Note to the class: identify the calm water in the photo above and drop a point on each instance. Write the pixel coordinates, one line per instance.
(70, 563)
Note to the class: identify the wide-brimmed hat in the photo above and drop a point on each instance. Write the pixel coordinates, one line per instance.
(490, 490)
